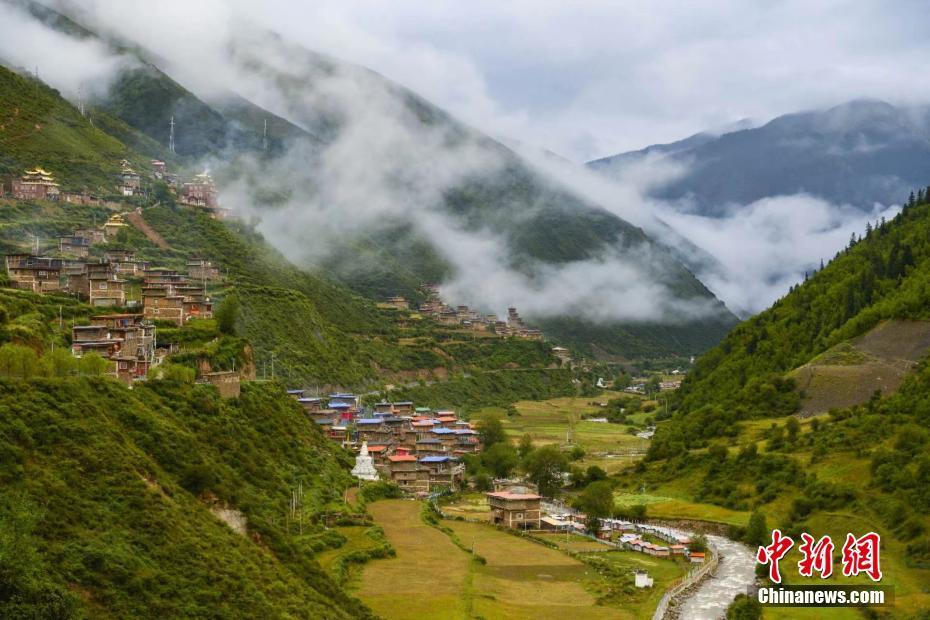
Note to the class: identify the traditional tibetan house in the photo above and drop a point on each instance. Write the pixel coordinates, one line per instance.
(404, 471)
(126, 339)
(201, 192)
(398, 303)
(444, 471)
(130, 181)
(311, 404)
(38, 274)
(226, 381)
(515, 510)
(104, 287)
(35, 184)
(158, 305)
(74, 245)
(202, 270)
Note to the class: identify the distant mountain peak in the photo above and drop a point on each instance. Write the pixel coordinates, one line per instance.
(859, 152)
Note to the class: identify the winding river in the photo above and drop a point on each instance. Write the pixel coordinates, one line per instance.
(735, 572)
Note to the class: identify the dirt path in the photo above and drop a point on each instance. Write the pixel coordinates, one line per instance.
(135, 218)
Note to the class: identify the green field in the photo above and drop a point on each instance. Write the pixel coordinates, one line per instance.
(549, 422)
(431, 577)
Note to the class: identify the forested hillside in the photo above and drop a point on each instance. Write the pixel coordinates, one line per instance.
(163, 456)
(882, 275)
(736, 442)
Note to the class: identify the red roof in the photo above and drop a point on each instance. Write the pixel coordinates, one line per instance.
(508, 495)
(377, 448)
(696, 554)
(402, 458)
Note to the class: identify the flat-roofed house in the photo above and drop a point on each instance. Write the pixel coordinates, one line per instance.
(39, 274)
(226, 382)
(74, 245)
(515, 510)
(201, 269)
(158, 305)
(104, 288)
(407, 473)
(444, 471)
(429, 446)
(403, 407)
(311, 404)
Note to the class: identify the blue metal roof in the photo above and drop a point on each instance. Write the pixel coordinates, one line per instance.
(435, 459)
(309, 400)
(442, 431)
(342, 395)
(295, 391)
(429, 440)
(368, 421)
(333, 405)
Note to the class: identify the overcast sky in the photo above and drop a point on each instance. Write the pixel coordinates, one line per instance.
(589, 79)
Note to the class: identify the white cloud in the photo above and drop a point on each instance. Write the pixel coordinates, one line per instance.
(73, 66)
(766, 247)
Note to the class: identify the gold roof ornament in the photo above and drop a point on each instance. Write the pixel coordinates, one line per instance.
(116, 220)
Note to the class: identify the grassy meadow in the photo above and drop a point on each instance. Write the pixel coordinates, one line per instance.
(432, 577)
(548, 422)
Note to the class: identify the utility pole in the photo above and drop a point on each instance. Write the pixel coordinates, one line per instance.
(171, 136)
(265, 136)
(272, 365)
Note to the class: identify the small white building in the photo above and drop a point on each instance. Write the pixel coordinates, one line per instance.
(643, 580)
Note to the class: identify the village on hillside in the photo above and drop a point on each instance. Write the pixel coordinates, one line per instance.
(199, 192)
(115, 277)
(462, 316)
(419, 449)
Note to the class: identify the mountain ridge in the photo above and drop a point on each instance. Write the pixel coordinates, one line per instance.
(859, 153)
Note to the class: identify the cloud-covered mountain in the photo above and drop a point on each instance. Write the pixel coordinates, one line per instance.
(380, 188)
(858, 153)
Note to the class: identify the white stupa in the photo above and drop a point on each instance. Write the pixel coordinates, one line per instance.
(364, 465)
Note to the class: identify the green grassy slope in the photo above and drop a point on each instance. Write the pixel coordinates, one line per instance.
(106, 497)
(885, 276)
(39, 128)
(734, 442)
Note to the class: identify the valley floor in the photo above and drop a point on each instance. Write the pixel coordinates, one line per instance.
(432, 577)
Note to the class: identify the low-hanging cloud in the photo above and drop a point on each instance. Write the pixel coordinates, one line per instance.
(765, 247)
(77, 67)
(383, 165)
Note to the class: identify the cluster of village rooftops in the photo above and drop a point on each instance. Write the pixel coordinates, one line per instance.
(417, 448)
(199, 192)
(420, 449)
(127, 339)
(462, 316)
